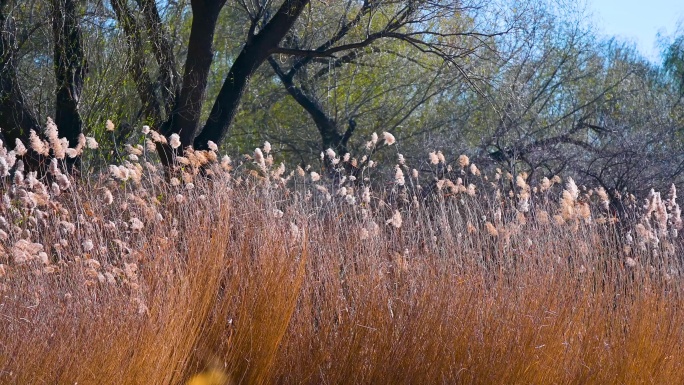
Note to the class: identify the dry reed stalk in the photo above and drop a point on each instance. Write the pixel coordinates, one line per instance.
(134, 280)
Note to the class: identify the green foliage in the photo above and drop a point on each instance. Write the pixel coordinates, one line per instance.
(674, 62)
(546, 95)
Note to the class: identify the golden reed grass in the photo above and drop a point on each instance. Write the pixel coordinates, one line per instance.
(255, 277)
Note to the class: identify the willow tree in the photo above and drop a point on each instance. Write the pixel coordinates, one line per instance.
(306, 32)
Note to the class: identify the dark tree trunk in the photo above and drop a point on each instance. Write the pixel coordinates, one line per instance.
(185, 117)
(16, 118)
(253, 54)
(327, 126)
(70, 69)
(187, 104)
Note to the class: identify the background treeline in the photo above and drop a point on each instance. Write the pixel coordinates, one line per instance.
(525, 86)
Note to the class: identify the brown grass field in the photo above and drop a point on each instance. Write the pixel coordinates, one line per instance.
(255, 277)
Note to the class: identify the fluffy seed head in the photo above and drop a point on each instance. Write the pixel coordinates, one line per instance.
(58, 146)
(71, 152)
(366, 196)
(491, 229)
(259, 157)
(136, 224)
(87, 245)
(4, 167)
(225, 163)
(37, 144)
(399, 176)
(571, 188)
(63, 181)
(174, 141)
(603, 196)
(108, 198)
(24, 251)
(157, 137)
(350, 199)
(19, 147)
(463, 161)
(471, 190)
(388, 138)
(91, 143)
(374, 140)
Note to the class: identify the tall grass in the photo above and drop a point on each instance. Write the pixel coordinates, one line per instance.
(251, 276)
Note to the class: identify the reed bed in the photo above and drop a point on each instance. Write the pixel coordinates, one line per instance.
(222, 272)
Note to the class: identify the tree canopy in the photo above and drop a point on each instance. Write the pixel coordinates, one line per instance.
(522, 85)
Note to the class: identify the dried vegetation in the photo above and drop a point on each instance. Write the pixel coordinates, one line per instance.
(244, 273)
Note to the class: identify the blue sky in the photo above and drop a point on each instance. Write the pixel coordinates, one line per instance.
(638, 21)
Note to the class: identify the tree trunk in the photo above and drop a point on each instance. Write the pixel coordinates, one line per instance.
(70, 69)
(253, 54)
(327, 127)
(185, 117)
(16, 118)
